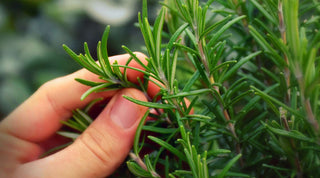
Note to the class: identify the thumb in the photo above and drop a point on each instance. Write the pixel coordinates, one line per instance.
(101, 148)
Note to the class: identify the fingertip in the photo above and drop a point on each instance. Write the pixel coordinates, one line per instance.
(141, 56)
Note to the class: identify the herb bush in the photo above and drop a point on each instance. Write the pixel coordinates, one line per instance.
(250, 71)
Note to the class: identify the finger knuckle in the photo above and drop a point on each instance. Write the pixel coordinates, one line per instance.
(46, 91)
(94, 142)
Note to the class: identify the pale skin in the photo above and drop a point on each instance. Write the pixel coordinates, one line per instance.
(98, 152)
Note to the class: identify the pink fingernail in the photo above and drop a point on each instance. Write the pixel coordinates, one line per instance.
(124, 113)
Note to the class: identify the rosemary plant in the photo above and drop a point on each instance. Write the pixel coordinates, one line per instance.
(251, 71)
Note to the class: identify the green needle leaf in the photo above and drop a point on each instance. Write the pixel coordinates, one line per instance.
(176, 35)
(264, 95)
(138, 133)
(264, 12)
(168, 147)
(291, 134)
(73, 124)
(104, 42)
(137, 170)
(238, 65)
(87, 82)
(104, 62)
(159, 129)
(94, 89)
(70, 52)
(157, 31)
(71, 135)
(189, 93)
(84, 116)
(212, 27)
(228, 166)
(223, 29)
(149, 104)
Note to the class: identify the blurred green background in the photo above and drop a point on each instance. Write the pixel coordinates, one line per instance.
(32, 33)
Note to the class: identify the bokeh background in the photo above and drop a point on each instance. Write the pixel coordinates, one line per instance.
(32, 33)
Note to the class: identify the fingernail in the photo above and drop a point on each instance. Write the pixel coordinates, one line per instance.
(124, 113)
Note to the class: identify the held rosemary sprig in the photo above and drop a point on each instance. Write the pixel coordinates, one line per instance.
(114, 79)
(239, 89)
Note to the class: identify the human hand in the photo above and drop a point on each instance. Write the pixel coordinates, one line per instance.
(102, 147)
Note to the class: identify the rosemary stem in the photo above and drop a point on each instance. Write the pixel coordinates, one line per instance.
(230, 124)
(282, 29)
(138, 160)
(307, 106)
(240, 13)
(283, 116)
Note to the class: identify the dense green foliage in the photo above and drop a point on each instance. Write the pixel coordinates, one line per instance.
(251, 72)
